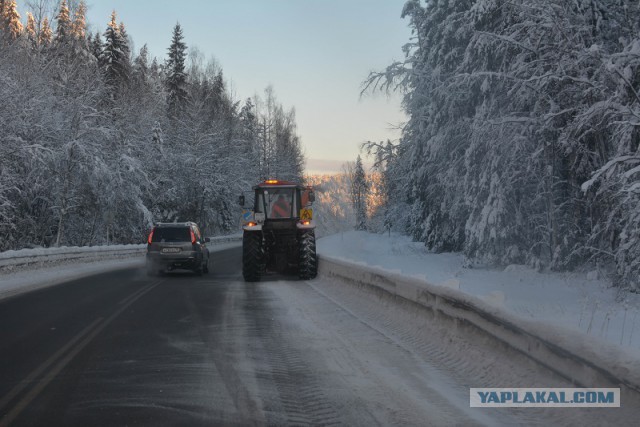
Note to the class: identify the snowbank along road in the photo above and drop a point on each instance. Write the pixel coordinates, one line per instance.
(120, 348)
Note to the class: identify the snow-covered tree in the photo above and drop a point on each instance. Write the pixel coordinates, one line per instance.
(278, 144)
(141, 64)
(175, 69)
(115, 58)
(12, 27)
(96, 46)
(249, 121)
(126, 50)
(46, 34)
(63, 24)
(78, 28)
(31, 31)
(83, 161)
(359, 190)
(512, 106)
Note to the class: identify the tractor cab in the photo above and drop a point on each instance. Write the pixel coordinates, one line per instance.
(278, 201)
(279, 230)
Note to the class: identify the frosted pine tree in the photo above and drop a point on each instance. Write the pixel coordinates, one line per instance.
(63, 24)
(114, 59)
(359, 193)
(97, 46)
(46, 34)
(125, 42)
(176, 78)
(13, 26)
(79, 25)
(248, 144)
(141, 64)
(81, 49)
(249, 122)
(30, 31)
(141, 76)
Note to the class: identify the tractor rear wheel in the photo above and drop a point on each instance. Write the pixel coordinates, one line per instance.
(308, 261)
(252, 255)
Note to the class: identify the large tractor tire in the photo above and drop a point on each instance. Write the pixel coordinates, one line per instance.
(308, 261)
(252, 256)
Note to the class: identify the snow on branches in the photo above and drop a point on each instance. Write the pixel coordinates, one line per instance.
(522, 143)
(98, 142)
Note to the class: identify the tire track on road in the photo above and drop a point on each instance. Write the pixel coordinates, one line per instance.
(299, 391)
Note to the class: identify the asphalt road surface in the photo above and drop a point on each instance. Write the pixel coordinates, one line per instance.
(122, 349)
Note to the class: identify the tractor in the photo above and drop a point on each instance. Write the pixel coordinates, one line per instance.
(278, 231)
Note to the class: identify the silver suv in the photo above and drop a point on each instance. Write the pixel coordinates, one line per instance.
(179, 245)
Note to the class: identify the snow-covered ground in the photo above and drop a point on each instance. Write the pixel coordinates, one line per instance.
(581, 302)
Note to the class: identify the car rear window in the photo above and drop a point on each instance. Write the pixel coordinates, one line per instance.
(171, 234)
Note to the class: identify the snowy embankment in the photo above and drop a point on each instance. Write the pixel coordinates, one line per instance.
(11, 260)
(574, 323)
(26, 270)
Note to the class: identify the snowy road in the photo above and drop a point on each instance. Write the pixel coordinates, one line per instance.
(123, 349)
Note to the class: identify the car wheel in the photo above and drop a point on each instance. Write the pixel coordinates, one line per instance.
(205, 268)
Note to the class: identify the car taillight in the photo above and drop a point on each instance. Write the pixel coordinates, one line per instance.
(150, 236)
(193, 237)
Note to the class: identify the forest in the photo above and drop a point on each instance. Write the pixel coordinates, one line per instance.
(98, 142)
(521, 146)
(523, 133)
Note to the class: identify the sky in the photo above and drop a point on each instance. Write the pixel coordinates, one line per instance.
(315, 54)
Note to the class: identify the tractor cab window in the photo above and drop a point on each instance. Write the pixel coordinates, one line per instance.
(279, 202)
(259, 202)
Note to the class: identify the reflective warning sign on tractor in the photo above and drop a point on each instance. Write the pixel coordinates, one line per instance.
(306, 214)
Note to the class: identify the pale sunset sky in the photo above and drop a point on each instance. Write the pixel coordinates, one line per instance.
(315, 54)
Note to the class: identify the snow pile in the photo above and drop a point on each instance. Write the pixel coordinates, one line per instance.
(582, 303)
(23, 253)
(25, 258)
